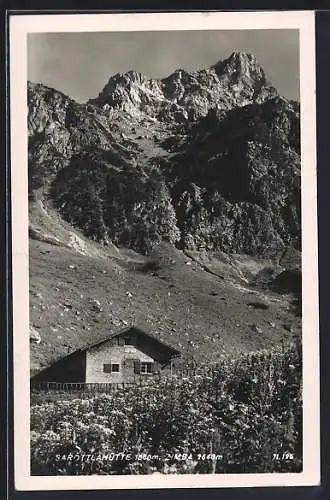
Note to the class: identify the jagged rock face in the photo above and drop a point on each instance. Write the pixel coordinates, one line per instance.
(236, 183)
(241, 70)
(204, 160)
(59, 128)
(131, 92)
(237, 81)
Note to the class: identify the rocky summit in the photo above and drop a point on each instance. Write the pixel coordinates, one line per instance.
(206, 163)
(208, 159)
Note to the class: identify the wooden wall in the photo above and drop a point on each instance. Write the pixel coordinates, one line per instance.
(72, 368)
(107, 354)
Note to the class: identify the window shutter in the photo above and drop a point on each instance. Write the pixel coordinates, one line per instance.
(121, 341)
(107, 368)
(137, 366)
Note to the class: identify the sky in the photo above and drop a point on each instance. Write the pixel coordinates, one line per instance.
(80, 64)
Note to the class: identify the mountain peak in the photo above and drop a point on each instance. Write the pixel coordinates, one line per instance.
(125, 78)
(241, 65)
(128, 91)
(238, 57)
(241, 54)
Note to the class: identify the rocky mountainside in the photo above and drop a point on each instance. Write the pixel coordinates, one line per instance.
(202, 169)
(235, 182)
(208, 159)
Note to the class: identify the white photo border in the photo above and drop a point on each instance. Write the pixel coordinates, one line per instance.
(19, 28)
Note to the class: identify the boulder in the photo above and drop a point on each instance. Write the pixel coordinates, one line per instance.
(35, 336)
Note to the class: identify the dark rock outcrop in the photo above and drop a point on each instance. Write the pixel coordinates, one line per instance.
(236, 181)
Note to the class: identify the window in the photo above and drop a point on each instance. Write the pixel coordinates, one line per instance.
(146, 368)
(111, 368)
(129, 341)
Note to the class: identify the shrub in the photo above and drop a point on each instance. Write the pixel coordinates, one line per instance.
(232, 418)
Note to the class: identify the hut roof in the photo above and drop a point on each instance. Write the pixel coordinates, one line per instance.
(136, 329)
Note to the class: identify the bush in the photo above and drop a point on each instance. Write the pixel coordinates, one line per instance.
(233, 418)
(151, 265)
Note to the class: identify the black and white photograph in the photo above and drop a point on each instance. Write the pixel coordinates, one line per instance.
(165, 212)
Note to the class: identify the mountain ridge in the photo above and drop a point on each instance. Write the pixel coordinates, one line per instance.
(235, 81)
(153, 140)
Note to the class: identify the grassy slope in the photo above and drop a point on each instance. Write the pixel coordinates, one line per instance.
(180, 301)
(205, 301)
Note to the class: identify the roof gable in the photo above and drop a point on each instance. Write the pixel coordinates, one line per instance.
(136, 330)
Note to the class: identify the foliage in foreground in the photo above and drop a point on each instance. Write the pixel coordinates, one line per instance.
(243, 416)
